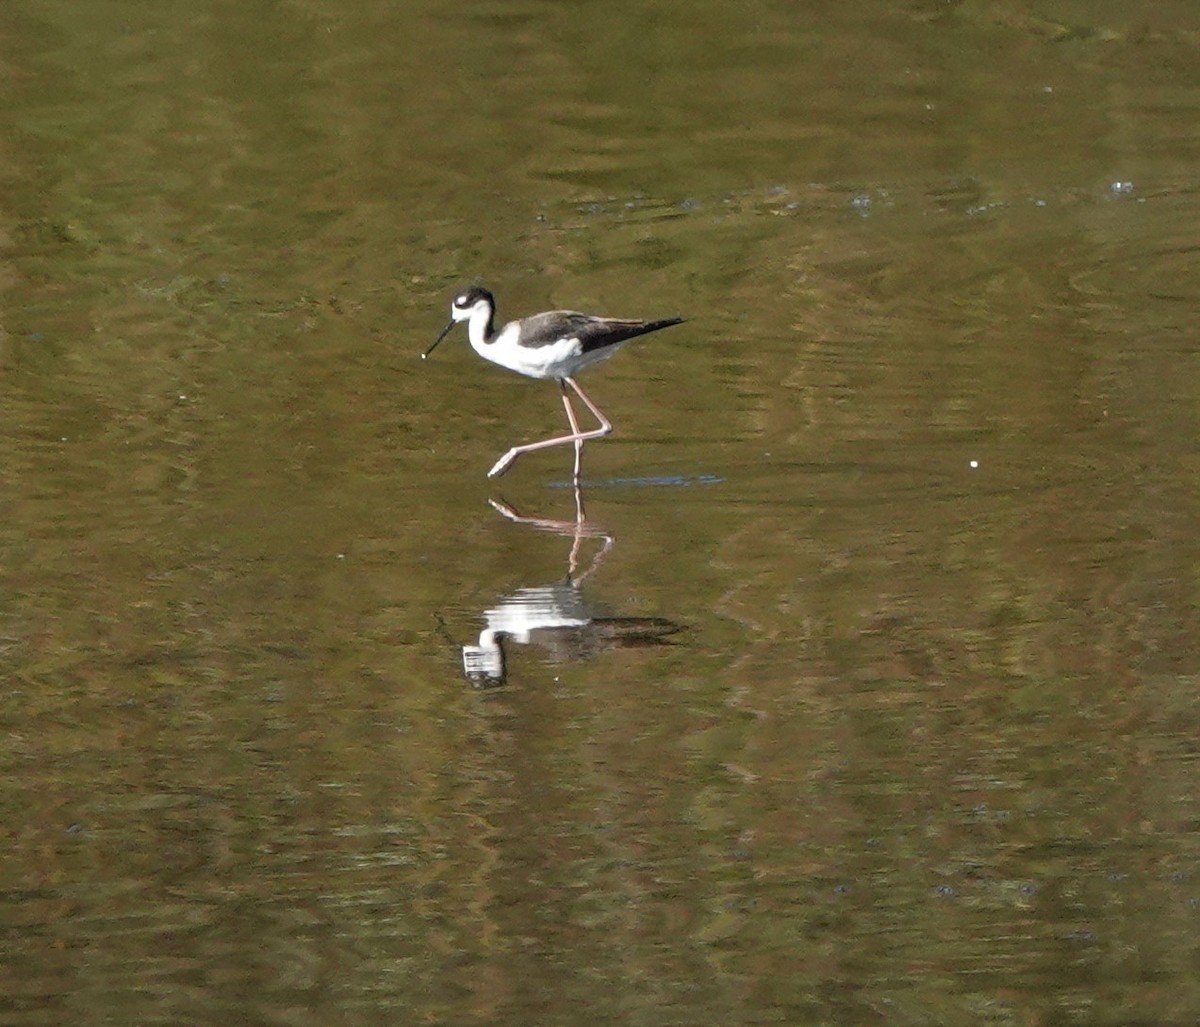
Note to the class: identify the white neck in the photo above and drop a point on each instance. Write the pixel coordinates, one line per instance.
(477, 326)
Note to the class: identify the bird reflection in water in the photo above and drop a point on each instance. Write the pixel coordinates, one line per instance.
(559, 618)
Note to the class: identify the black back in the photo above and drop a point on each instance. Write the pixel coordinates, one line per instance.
(592, 332)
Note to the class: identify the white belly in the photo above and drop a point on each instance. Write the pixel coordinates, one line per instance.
(559, 359)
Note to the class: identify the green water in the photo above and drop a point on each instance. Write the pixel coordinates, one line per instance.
(916, 484)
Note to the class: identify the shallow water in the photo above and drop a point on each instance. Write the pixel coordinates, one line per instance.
(872, 696)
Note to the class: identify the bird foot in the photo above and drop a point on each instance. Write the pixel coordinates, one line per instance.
(503, 463)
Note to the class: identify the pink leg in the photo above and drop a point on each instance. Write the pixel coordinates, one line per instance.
(574, 431)
(577, 437)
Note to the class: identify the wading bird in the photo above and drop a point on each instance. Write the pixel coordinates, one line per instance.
(557, 344)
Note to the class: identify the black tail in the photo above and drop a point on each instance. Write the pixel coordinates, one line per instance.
(610, 331)
(666, 322)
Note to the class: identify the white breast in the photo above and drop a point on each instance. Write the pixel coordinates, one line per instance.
(556, 360)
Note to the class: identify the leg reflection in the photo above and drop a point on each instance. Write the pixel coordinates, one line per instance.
(577, 530)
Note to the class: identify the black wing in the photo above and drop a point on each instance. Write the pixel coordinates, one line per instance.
(592, 332)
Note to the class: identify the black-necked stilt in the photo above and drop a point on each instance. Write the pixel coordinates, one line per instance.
(557, 344)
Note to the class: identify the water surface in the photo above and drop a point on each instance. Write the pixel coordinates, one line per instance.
(914, 491)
